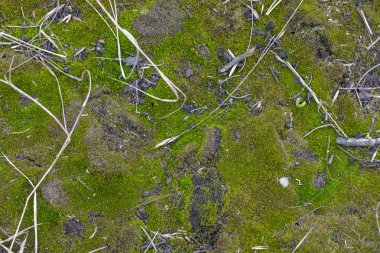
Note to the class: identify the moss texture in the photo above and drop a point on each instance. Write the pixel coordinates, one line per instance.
(217, 186)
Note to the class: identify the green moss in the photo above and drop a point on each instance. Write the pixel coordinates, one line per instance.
(255, 205)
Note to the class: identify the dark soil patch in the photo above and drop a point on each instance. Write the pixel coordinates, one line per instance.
(211, 147)
(74, 228)
(115, 136)
(319, 182)
(206, 206)
(165, 19)
(121, 129)
(127, 239)
(135, 96)
(53, 192)
(304, 154)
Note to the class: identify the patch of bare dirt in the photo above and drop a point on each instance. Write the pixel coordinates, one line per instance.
(164, 19)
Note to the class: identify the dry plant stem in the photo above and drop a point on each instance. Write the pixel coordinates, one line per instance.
(303, 239)
(362, 15)
(34, 203)
(254, 12)
(9, 83)
(66, 143)
(60, 93)
(323, 126)
(115, 14)
(263, 54)
(357, 158)
(99, 249)
(313, 94)
(373, 43)
(358, 142)
(273, 5)
(29, 45)
(366, 73)
(150, 243)
(150, 239)
(18, 234)
(176, 91)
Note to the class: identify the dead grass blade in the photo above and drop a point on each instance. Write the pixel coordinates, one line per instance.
(303, 239)
(312, 93)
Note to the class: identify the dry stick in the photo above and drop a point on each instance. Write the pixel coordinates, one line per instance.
(254, 12)
(373, 44)
(303, 239)
(43, 19)
(22, 247)
(359, 88)
(265, 51)
(366, 73)
(34, 200)
(9, 83)
(66, 143)
(340, 131)
(362, 15)
(323, 126)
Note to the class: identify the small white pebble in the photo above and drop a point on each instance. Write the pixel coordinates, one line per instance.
(284, 181)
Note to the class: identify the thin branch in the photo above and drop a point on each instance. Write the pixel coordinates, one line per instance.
(66, 143)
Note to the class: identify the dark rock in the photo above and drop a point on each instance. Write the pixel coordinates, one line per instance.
(212, 144)
(192, 108)
(142, 214)
(25, 101)
(99, 46)
(131, 61)
(74, 228)
(225, 56)
(319, 182)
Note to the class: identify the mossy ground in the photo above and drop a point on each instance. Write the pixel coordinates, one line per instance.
(254, 207)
